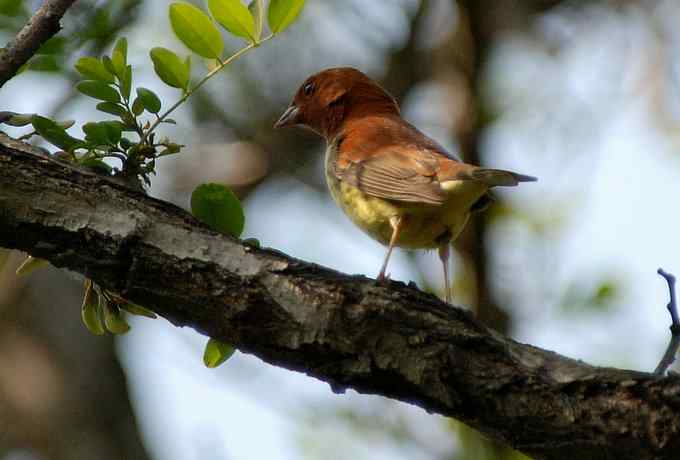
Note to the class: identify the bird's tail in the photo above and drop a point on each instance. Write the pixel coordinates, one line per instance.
(499, 177)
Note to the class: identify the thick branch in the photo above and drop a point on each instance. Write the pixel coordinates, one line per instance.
(395, 341)
(40, 27)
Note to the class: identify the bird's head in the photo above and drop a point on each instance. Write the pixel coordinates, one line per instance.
(326, 100)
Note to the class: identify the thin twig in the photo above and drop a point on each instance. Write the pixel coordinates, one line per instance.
(674, 344)
(200, 83)
(40, 27)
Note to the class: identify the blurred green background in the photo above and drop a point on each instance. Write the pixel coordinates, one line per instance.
(583, 94)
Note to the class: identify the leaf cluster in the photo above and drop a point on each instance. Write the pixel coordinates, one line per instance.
(130, 137)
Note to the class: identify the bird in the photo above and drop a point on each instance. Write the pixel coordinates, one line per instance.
(394, 182)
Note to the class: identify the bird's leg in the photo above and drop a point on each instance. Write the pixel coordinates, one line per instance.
(395, 223)
(444, 252)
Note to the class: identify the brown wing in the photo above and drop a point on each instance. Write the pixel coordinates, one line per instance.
(395, 176)
(388, 158)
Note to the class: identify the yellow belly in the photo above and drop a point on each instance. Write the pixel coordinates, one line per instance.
(425, 225)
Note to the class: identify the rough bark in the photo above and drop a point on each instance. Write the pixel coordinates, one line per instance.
(393, 340)
(40, 27)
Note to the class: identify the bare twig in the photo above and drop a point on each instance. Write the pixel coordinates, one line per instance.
(40, 27)
(674, 344)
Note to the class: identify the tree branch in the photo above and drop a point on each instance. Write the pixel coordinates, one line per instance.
(40, 27)
(393, 340)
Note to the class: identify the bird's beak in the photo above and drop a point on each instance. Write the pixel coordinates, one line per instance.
(289, 117)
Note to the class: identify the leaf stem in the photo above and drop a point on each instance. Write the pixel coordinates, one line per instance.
(209, 75)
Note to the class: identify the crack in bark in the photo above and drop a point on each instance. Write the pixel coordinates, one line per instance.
(393, 340)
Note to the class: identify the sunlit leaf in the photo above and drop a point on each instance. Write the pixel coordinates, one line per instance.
(216, 353)
(256, 9)
(98, 90)
(149, 100)
(282, 13)
(218, 207)
(119, 57)
(170, 68)
(233, 16)
(195, 29)
(113, 320)
(94, 69)
(137, 106)
(126, 83)
(108, 63)
(89, 311)
(138, 310)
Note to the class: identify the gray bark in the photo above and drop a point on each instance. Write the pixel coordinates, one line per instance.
(392, 340)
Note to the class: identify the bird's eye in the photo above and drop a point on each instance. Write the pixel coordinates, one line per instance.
(308, 88)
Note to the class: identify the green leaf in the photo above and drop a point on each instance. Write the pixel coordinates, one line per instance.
(98, 90)
(126, 143)
(218, 207)
(112, 108)
(137, 310)
(253, 242)
(16, 119)
(44, 63)
(97, 166)
(121, 47)
(10, 7)
(108, 63)
(94, 69)
(282, 13)
(103, 132)
(170, 68)
(90, 312)
(119, 57)
(256, 9)
(216, 353)
(195, 29)
(233, 16)
(137, 106)
(66, 124)
(126, 83)
(54, 45)
(113, 320)
(95, 133)
(149, 99)
(53, 133)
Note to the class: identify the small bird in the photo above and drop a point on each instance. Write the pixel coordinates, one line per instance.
(395, 183)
